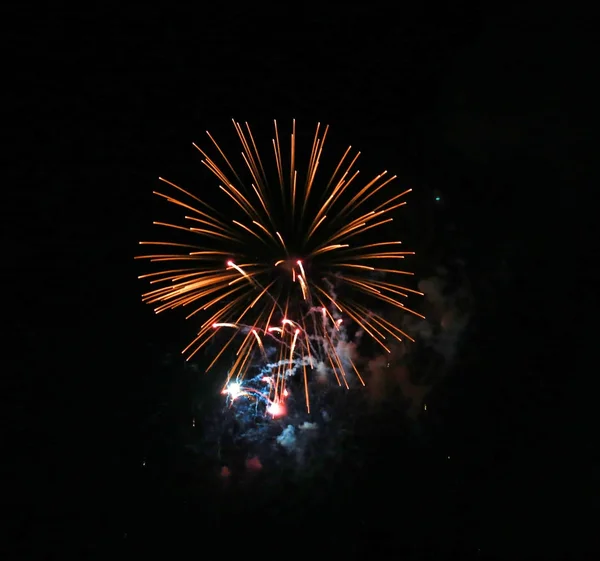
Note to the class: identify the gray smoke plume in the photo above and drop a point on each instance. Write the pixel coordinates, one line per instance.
(415, 367)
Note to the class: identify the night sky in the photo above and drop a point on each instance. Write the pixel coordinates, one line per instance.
(485, 110)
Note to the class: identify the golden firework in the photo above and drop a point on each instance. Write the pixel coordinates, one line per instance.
(269, 259)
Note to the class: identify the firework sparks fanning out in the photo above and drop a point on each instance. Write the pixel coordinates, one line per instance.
(266, 268)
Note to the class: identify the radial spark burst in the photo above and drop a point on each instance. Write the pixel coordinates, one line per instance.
(281, 256)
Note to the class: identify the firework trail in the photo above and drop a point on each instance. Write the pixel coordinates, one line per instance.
(266, 263)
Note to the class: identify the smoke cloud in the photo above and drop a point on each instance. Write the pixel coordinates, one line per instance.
(414, 368)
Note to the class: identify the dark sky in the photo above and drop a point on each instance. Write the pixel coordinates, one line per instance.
(488, 108)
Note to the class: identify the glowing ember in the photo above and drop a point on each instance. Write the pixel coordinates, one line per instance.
(276, 409)
(234, 390)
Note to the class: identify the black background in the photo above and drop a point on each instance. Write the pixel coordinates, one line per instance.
(488, 108)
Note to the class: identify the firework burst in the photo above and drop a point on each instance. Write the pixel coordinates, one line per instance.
(283, 257)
